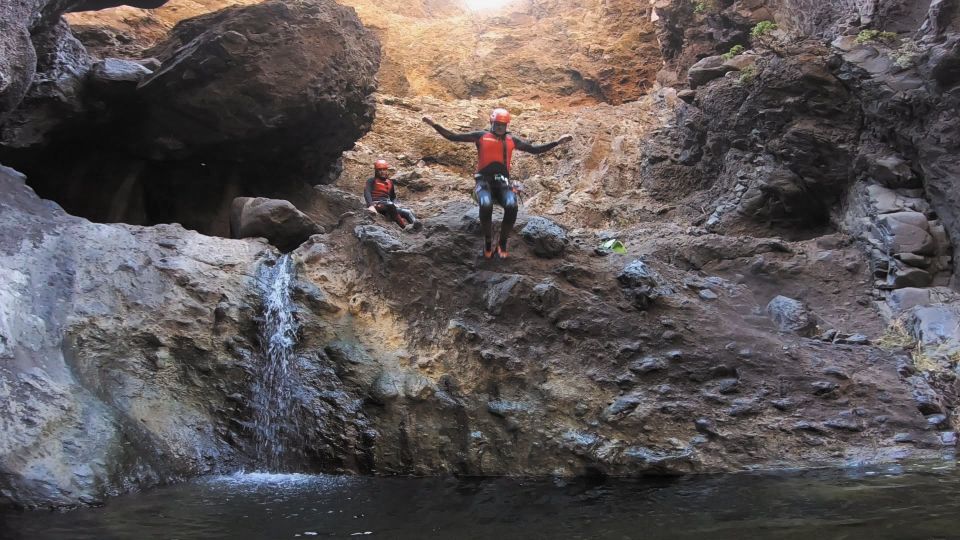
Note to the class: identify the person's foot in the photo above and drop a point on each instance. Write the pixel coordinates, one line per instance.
(488, 253)
(502, 252)
(417, 225)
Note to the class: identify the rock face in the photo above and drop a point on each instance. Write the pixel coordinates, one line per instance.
(120, 346)
(257, 100)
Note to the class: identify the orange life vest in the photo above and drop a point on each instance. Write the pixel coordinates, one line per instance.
(491, 150)
(381, 189)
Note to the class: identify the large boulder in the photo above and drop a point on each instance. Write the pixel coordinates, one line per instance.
(285, 83)
(278, 221)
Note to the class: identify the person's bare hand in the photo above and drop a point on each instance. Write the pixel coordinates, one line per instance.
(372, 209)
(566, 138)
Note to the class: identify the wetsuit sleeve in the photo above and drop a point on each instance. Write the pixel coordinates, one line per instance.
(524, 146)
(393, 193)
(473, 136)
(367, 192)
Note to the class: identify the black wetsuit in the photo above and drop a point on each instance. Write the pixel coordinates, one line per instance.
(495, 155)
(380, 193)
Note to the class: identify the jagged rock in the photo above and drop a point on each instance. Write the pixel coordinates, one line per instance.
(641, 283)
(278, 221)
(908, 232)
(892, 171)
(790, 315)
(546, 238)
(379, 238)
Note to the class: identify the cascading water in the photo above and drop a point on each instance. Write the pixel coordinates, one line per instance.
(273, 395)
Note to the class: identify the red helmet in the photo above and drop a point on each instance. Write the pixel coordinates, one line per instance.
(500, 115)
(381, 164)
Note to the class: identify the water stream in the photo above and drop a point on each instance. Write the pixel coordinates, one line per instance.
(875, 504)
(273, 396)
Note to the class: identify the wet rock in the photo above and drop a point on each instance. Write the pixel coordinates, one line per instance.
(707, 294)
(545, 238)
(939, 421)
(278, 221)
(790, 315)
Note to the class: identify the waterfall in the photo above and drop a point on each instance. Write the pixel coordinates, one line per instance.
(273, 394)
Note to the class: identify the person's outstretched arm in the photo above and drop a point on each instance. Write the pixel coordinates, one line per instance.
(524, 146)
(473, 136)
(393, 193)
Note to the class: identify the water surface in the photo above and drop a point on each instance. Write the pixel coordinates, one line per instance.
(877, 503)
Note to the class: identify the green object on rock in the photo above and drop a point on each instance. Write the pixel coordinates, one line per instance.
(614, 245)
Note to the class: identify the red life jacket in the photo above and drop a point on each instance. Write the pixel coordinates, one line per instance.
(491, 149)
(381, 189)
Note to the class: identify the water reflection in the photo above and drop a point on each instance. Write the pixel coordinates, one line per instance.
(879, 503)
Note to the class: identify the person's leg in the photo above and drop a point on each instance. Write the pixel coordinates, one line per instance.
(390, 211)
(508, 200)
(408, 216)
(485, 200)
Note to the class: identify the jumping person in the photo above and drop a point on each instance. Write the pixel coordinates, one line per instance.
(381, 197)
(495, 152)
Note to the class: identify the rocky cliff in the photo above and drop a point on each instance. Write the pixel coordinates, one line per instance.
(784, 300)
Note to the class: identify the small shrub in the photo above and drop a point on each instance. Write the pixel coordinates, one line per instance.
(896, 337)
(872, 36)
(747, 75)
(700, 6)
(763, 28)
(734, 51)
(908, 54)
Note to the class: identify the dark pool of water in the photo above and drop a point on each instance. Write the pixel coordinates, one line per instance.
(878, 503)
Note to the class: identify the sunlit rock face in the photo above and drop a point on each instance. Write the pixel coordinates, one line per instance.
(571, 51)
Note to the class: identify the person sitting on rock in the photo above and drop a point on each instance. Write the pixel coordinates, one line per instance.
(381, 197)
(495, 152)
